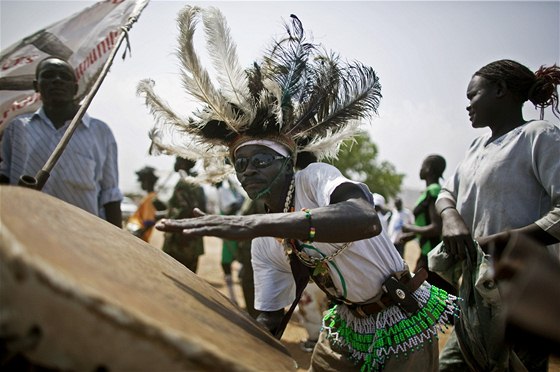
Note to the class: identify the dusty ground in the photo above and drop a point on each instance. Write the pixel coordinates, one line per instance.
(210, 269)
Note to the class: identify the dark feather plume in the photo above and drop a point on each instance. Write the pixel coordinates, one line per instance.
(297, 90)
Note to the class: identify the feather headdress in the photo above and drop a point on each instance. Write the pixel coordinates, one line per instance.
(298, 95)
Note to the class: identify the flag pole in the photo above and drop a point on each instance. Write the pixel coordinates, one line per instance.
(43, 174)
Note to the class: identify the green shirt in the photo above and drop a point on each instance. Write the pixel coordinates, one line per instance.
(422, 215)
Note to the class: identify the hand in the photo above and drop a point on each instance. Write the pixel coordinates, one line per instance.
(494, 244)
(406, 228)
(403, 238)
(513, 252)
(456, 235)
(227, 227)
(197, 212)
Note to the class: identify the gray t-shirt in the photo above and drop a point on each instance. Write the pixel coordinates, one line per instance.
(511, 182)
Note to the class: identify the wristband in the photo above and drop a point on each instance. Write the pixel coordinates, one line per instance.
(446, 208)
(311, 228)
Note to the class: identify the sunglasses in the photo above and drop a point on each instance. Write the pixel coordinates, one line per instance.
(259, 160)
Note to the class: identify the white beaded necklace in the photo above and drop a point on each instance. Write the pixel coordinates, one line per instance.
(304, 257)
(289, 196)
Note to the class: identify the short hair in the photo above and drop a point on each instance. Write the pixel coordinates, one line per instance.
(41, 62)
(437, 164)
(147, 173)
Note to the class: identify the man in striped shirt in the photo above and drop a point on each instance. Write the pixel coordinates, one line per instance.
(86, 175)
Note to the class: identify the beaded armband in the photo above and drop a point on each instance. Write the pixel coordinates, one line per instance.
(311, 228)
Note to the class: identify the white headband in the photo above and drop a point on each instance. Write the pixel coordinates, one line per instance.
(282, 150)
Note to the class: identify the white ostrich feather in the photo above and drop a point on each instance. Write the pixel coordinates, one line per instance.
(161, 111)
(223, 52)
(294, 91)
(327, 147)
(274, 99)
(196, 79)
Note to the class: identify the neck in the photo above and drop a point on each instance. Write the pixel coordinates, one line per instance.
(506, 123)
(431, 180)
(60, 113)
(276, 202)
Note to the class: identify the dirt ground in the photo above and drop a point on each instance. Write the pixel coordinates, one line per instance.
(210, 269)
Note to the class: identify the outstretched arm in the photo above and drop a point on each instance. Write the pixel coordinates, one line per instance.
(349, 217)
(497, 242)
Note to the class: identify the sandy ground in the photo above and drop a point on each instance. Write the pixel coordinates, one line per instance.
(210, 269)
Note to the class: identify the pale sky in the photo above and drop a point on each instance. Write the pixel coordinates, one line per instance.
(424, 52)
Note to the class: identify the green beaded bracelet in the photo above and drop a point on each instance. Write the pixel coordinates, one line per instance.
(311, 228)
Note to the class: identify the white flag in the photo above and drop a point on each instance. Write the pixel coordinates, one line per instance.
(84, 39)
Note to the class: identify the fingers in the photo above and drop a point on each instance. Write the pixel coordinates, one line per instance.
(198, 213)
(170, 225)
(460, 246)
(457, 237)
(206, 225)
(161, 224)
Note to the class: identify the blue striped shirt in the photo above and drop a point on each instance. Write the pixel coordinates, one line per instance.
(86, 174)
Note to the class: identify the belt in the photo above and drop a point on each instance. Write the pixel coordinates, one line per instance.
(385, 301)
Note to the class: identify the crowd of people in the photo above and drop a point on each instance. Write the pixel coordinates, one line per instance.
(303, 220)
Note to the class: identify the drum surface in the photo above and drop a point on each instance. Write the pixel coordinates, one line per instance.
(78, 293)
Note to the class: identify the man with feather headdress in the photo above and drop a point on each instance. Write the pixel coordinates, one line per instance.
(318, 224)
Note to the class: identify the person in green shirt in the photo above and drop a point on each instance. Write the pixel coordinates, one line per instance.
(427, 223)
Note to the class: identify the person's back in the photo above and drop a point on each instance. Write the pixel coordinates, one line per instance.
(86, 174)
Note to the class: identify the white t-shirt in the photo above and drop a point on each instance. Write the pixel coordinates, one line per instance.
(357, 273)
(398, 219)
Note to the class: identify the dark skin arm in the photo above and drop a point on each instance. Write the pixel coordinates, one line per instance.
(428, 231)
(497, 242)
(456, 235)
(350, 217)
(113, 213)
(458, 239)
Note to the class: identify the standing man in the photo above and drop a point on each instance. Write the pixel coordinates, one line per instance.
(185, 198)
(86, 175)
(383, 213)
(400, 216)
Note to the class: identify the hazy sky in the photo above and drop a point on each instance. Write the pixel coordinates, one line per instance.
(425, 53)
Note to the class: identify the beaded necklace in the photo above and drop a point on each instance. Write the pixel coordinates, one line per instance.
(319, 263)
(289, 197)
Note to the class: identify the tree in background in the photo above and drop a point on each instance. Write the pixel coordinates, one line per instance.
(357, 160)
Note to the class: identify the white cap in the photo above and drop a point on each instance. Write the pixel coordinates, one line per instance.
(378, 199)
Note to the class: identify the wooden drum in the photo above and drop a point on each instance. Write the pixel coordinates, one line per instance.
(77, 293)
